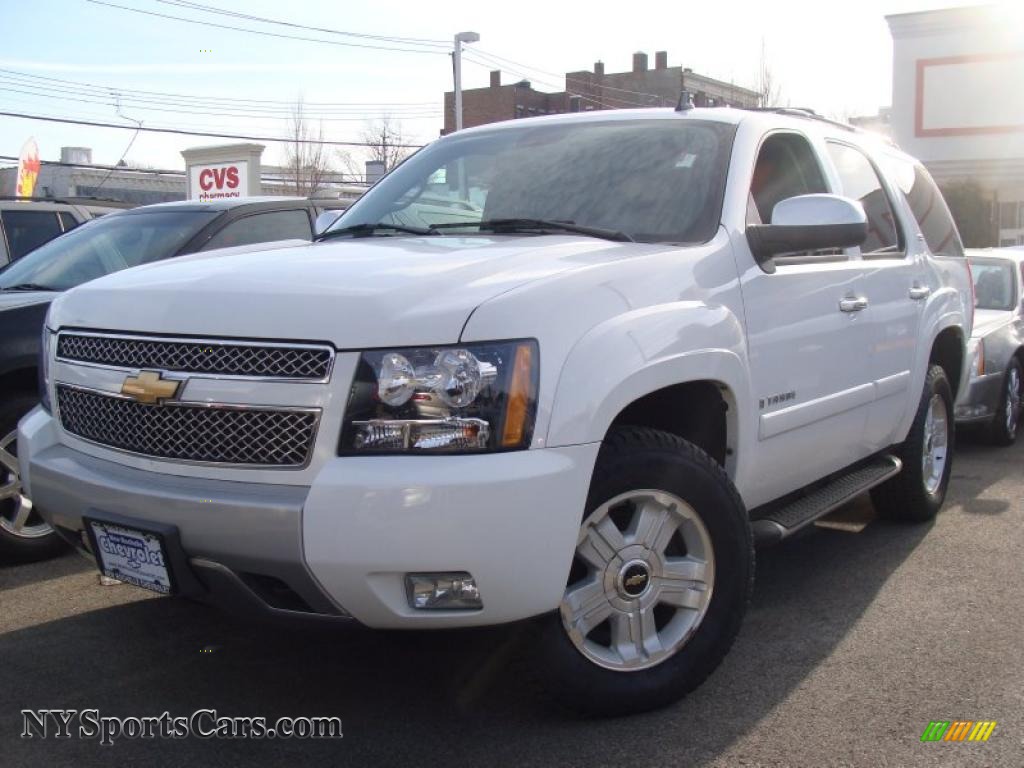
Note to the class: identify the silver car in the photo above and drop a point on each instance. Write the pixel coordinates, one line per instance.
(996, 348)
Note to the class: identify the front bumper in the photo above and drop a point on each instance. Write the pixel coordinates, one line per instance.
(980, 399)
(342, 547)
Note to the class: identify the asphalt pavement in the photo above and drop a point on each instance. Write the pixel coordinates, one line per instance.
(854, 642)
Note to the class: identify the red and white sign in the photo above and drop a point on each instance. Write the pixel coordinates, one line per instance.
(218, 181)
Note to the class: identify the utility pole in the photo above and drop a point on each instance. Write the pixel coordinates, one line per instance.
(462, 37)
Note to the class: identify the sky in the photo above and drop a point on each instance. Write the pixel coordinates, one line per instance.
(832, 56)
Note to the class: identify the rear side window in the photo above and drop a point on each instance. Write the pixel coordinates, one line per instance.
(27, 230)
(263, 228)
(930, 210)
(860, 181)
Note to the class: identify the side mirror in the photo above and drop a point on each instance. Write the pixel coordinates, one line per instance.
(808, 223)
(325, 219)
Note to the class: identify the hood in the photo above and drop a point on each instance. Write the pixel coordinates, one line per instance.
(353, 293)
(987, 320)
(15, 299)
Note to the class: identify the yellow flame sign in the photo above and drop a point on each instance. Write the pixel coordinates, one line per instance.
(28, 169)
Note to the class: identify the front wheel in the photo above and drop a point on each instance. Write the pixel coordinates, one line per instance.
(916, 494)
(24, 535)
(660, 580)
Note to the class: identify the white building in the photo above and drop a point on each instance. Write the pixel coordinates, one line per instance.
(958, 102)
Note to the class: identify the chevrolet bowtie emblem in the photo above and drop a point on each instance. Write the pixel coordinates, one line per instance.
(149, 388)
(636, 580)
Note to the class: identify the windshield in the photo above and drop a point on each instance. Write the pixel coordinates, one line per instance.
(100, 247)
(993, 284)
(653, 180)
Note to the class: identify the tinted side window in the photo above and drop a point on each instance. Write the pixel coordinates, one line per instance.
(861, 182)
(930, 210)
(67, 221)
(993, 284)
(263, 228)
(786, 167)
(27, 230)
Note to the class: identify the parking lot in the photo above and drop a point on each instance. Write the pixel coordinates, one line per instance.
(854, 642)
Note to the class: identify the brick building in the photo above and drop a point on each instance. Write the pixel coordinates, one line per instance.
(587, 90)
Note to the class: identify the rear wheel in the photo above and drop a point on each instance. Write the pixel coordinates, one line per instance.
(916, 494)
(1004, 425)
(660, 580)
(24, 535)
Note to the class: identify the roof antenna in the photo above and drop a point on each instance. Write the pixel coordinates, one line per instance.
(685, 102)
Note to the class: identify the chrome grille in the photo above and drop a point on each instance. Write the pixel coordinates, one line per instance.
(225, 358)
(195, 433)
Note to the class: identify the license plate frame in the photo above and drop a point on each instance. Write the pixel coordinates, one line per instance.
(153, 571)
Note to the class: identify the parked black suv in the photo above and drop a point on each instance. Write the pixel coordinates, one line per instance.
(99, 247)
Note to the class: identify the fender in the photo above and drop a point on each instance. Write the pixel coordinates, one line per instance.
(650, 348)
(944, 310)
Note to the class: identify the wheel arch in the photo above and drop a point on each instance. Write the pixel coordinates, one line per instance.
(698, 411)
(626, 367)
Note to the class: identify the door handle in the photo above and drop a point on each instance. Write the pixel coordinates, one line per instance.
(853, 304)
(919, 292)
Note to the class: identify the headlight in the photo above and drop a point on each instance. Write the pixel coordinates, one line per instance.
(44, 369)
(467, 398)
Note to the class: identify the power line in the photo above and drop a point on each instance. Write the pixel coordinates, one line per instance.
(97, 167)
(61, 94)
(164, 94)
(126, 149)
(265, 20)
(264, 33)
(283, 139)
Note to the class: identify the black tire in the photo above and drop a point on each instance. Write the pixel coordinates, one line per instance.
(906, 496)
(1004, 425)
(634, 458)
(14, 548)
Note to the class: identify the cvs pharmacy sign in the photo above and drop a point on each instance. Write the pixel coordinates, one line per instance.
(218, 181)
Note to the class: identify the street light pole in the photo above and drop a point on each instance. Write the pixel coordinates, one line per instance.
(462, 37)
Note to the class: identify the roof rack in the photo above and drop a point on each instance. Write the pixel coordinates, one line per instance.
(805, 112)
(74, 200)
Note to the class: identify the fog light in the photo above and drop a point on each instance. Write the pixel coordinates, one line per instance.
(455, 591)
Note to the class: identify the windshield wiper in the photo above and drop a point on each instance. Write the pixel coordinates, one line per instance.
(28, 287)
(504, 226)
(368, 230)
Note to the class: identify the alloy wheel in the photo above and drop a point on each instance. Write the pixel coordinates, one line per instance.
(936, 442)
(1012, 401)
(641, 580)
(17, 516)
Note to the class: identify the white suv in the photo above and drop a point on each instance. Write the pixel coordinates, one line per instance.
(668, 334)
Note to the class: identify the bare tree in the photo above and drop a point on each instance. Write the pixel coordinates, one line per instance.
(307, 162)
(767, 87)
(384, 138)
